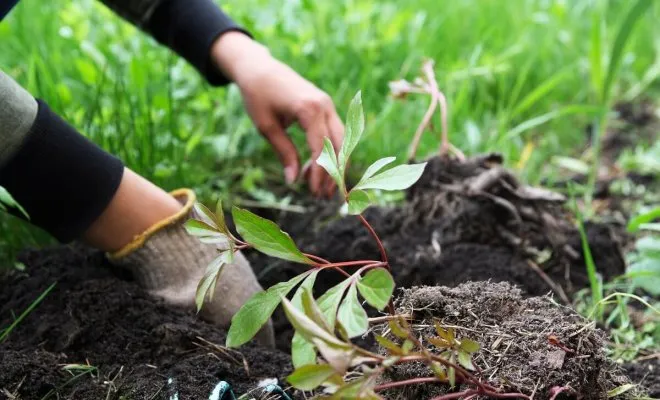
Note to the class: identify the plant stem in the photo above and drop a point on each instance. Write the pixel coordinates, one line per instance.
(377, 320)
(349, 264)
(383, 253)
(413, 381)
(458, 395)
(317, 258)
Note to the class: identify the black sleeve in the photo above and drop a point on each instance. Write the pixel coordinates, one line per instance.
(188, 27)
(62, 179)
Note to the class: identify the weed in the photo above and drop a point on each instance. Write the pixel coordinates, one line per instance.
(5, 332)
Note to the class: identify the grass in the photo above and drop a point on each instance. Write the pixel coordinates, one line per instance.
(521, 77)
(4, 333)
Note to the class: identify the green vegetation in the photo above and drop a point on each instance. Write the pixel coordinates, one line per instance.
(522, 77)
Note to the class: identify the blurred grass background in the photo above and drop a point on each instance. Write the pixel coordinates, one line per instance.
(520, 77)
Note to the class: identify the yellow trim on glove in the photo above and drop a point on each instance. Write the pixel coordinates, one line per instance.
(141, 239)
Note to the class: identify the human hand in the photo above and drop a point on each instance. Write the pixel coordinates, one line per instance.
(275, 97)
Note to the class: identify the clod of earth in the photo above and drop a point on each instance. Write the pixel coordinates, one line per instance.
(527, 345)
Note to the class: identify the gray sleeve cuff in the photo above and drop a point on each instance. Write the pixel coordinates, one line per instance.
(18, 110)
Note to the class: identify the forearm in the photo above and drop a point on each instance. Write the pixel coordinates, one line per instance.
(188, 27)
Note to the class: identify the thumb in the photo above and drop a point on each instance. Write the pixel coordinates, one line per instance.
(285, 149)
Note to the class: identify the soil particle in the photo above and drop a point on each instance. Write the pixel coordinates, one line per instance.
(94, 317)
(517, 354)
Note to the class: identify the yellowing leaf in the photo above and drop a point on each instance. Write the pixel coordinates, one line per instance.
(470, 346)
(392, 347)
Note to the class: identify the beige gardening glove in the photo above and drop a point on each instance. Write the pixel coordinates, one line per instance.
(169, 264)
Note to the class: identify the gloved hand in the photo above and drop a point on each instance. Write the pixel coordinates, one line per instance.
(169, 264)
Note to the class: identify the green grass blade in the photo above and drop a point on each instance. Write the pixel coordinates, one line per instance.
(25, 313)
(633, 16)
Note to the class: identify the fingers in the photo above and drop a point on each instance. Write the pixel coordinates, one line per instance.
(284, 147)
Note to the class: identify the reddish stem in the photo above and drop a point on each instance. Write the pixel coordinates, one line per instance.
(317, 258)
(349, 264)
(383, 253)
(457, 395)
(413, 381)
(556, 391)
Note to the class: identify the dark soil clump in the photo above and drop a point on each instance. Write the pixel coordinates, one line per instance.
(517, 354)
(136, 343)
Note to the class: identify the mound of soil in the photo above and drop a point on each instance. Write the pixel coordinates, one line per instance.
(527, 345)
(647, 373)
(136, 343)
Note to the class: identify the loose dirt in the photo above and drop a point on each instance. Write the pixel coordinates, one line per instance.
(137, 344)
(517, 354)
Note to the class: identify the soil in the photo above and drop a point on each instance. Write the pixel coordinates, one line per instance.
(516, 352)
(647, 373)
(95, 317)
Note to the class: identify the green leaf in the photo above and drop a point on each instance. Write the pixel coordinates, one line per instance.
(354, 130)
(351, 314)
(407, 346)
(397, 178)
(634, 15)
(337, 353)
(308, 284)
(329, 302)
(255, 312)
(377, 286)
(358, 201)
(267, 237)
(620, 390)
(469, 346)
(312, 310)
(465, 359)
(309, 377)
(451, 375)
(649, 246)
(213, 271)
(206, 233)
(651, 215)
(646, 274)
(375, 167)
(302, 351)
(205, 215)
(7, 199)
(328, 160)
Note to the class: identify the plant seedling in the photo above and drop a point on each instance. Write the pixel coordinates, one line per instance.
(325, 326)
